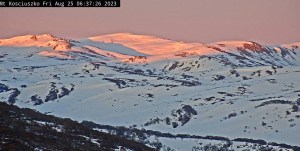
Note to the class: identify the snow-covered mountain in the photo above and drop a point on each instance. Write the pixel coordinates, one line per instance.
(233, 89)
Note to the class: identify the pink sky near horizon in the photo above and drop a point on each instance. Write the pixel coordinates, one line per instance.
(265, 21)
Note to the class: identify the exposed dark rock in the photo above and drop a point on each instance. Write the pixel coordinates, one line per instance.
(253, 47)
(136, 58)
(184, 54)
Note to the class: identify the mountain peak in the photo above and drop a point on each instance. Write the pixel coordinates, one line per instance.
(44, 40)
(146, 44)
(129, 37)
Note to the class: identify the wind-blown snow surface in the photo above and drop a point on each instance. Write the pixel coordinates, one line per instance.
(231, 89)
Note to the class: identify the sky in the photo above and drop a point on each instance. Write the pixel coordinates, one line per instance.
(205, 21)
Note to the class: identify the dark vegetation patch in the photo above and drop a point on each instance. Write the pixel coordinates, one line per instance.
(190, 83)
(13, 95)
(232, 115)
(125, 82)
(19, 130)
(12, 98)
(261, 99)
(36, 100)
(273, 102)
(142, 134)
(178, 117)
(234, 72)
(54, 94)
(218, 77)
(3, 88)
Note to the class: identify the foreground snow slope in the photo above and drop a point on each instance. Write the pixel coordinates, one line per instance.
(231, 89)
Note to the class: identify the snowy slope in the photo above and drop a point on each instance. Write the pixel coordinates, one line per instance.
(234, 89)
(45, 40)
